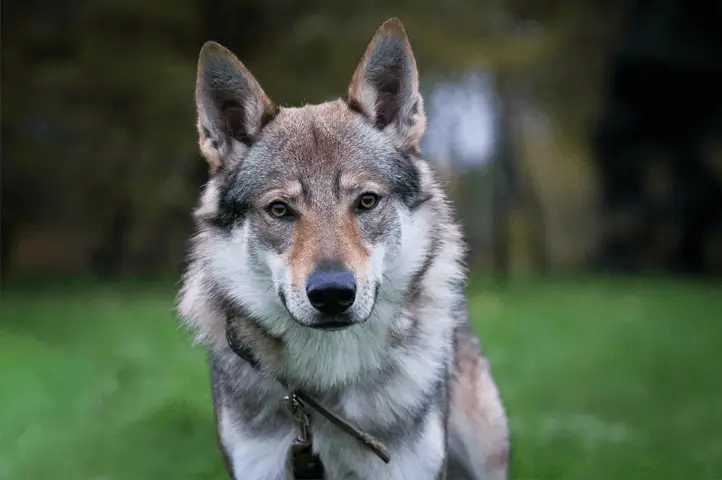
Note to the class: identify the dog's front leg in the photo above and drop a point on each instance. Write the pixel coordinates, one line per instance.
(252, 454)
(417, 454)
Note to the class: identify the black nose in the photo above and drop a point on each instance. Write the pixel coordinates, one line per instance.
(331, 288)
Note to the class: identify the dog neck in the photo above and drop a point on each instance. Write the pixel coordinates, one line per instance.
(296, 401)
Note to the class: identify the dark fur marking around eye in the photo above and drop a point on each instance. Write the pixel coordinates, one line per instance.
(230, 213)
(233, 205)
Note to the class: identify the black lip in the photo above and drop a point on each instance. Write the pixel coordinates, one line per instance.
(331, 325)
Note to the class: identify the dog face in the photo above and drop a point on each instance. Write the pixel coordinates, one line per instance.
(313, 213)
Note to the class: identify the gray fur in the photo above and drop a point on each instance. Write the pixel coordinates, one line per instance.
(410, 370)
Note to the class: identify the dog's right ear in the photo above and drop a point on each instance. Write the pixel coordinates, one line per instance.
(232, 107)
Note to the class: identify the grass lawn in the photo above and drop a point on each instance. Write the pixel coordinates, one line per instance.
(603, 379)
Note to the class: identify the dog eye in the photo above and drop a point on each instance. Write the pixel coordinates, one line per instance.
(279, 210)
(367, 201)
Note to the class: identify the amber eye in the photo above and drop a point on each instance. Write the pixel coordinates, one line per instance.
(367, 201)
(279, 209)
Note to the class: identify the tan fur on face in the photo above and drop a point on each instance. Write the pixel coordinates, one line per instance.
(321, 139)
(304, 246)
(352, 249)
(316, 239)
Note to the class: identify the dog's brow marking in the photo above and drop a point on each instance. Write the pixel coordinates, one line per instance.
(350, 183)
(290, 191)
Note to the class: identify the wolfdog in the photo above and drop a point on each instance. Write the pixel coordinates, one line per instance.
(326, 248)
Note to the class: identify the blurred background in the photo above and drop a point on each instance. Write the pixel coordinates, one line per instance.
(580, 140)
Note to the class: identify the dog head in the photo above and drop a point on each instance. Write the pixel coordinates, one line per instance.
(312, 213)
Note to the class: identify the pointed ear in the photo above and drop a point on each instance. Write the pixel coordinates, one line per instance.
(232, 107)
(385, 86)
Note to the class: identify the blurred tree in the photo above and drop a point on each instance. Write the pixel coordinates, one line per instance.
(98, 125)
(94, 153)
(661, 191)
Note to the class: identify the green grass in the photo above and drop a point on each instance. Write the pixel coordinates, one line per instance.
(602, 378)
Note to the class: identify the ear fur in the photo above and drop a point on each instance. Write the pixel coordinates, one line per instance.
(232, 106)
(385, 86)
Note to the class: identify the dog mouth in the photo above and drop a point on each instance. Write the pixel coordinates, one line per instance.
(333, 325)
(327, 323)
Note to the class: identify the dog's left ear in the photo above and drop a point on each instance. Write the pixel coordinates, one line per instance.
(385, 86)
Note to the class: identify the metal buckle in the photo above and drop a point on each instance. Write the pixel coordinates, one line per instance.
(297, 410)
(306, 464)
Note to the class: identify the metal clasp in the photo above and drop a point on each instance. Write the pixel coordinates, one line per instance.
(298, 412)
